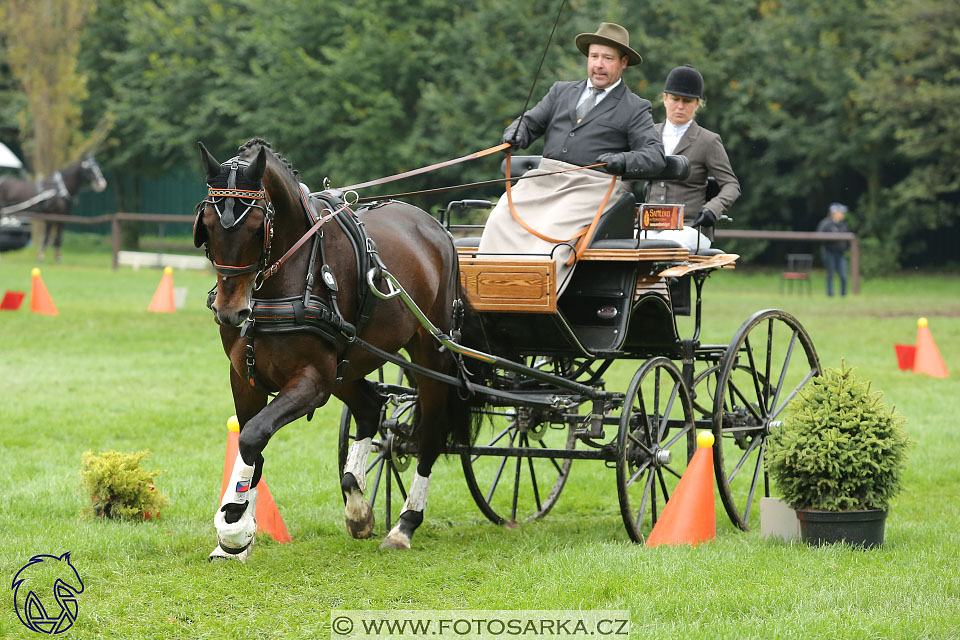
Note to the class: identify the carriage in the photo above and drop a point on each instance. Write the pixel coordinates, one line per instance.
(547, 403)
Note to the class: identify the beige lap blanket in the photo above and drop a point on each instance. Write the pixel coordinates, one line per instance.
(558, 206)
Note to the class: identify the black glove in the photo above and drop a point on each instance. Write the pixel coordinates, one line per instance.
(705, 218)
(522, 138)
(616, 163)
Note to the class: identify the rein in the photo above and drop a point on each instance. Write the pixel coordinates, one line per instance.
(438, 165)
(393, 196)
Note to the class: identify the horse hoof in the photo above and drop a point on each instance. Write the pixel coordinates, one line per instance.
(396, 541)
(236, 537)
(511, 524)
(219, 554)
(358, 515)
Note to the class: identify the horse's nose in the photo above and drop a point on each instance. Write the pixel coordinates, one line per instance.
(234, 319)
(242, 315)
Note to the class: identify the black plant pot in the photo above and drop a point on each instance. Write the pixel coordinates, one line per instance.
(858, 528)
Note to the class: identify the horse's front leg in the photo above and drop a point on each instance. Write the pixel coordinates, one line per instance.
(236, 518)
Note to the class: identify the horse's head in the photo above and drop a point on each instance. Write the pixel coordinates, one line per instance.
(91, 174)
(235, 222)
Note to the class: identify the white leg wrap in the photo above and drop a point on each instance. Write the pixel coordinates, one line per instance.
(238, 535)
(357, 462)
(239, 484)
(417, 495)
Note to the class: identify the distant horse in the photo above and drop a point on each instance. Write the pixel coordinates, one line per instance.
(298, 343)
(51, 195)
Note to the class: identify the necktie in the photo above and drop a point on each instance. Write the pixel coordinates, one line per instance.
(585, 106)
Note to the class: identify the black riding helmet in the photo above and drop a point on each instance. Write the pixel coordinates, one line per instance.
(684, 81)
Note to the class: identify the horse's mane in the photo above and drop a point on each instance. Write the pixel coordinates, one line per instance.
(255, 143)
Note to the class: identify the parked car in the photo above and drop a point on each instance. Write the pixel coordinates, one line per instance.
(14, 230)
(14, 233)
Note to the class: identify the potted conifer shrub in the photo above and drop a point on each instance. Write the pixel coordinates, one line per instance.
(837, 459)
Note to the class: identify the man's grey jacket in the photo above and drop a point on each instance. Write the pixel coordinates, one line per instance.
(622, 121)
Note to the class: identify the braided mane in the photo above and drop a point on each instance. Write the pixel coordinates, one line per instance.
(260, 142)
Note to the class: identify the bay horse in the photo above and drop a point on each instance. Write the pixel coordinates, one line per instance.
(51, 195)
(255, 208)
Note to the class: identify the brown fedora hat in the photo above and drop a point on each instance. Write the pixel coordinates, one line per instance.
(612, 35)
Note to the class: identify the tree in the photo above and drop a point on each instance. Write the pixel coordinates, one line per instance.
(909, 99)
(43, 40)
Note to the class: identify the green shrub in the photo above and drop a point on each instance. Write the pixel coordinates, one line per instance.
(119, 487)
(840, 448)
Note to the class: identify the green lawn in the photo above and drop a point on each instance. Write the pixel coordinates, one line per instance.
(106, 374)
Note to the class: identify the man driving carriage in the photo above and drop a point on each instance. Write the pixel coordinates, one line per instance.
(594, 120)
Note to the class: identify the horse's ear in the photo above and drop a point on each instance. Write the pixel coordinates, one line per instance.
(255, 171)
(210, 164)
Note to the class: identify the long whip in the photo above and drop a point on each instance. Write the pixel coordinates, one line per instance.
(537, 75)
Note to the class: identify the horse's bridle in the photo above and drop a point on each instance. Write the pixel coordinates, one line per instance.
(90, 164)
(227, 199)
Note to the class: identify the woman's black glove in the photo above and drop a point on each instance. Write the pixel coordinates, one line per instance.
(705, 218)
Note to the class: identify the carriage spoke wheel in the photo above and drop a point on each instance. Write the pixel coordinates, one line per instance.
(388, 465)
(769, 360)
(655, 442)
(510, 489)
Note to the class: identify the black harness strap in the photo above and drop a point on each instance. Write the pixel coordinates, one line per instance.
(458, 383)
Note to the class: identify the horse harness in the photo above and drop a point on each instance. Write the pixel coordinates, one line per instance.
(59, 189)
(307, 312)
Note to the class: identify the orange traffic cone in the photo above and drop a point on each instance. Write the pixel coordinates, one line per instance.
(163, 297)
(268, 516)
(928, 359)
(40, 300)
(690, 516)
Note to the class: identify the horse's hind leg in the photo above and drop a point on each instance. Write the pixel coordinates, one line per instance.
(47, 232)
(432, 429)
(364, 403)
(58, 241)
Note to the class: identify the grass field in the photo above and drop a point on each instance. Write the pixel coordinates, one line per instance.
(105, 374)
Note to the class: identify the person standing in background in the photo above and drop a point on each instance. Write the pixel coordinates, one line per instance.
(834, 251)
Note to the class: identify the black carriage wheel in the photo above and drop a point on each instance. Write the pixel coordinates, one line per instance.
(390, 467)
(655, 442)
(510, 489)
(769, 360)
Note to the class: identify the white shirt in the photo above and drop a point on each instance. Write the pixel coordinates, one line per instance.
(601, 95)
(672, 134)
